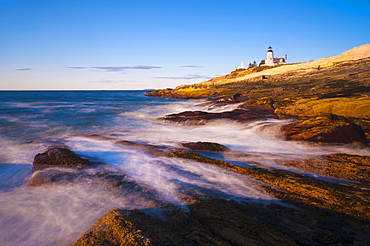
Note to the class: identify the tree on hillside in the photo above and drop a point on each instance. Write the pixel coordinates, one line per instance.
(251, 65)
(262, 62)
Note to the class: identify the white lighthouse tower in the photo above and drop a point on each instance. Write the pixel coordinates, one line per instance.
(241, 67)
(270, 57)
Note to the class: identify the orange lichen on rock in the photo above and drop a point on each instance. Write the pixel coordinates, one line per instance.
(113, 229)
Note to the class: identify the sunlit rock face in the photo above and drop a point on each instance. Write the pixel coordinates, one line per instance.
(113, 229)
(325, 129)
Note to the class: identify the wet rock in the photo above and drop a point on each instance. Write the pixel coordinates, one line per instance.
(215, 222)
(59, 165)
(154, 150)
(327, 128)
(173, 152)
(61, 176)
(221, 222)
(113, 229)
(344, 166)
(205, 146)
(59, 157)
(201, 118)
(116, 183)
(51, 176)
(327, 233)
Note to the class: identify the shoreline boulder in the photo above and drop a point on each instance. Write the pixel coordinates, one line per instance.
(327, 128)
(113, 229)
(59, 157)
(205, 146)
(201, 118)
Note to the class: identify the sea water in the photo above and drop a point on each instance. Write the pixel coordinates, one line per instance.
(33, 121)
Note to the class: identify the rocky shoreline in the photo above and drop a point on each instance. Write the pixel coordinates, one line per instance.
(330, 104)
(323, 213)
(323, 200)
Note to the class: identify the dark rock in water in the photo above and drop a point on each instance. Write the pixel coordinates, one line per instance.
(50, 176)
(171, 152)
(201, 118)
(116, 183)
(60, 166)
(205, 146)
(207, 223)
(154, 150)
(64, 176)
(326, 128)
(158, 151)
(220, 222)
(59, 157)
(113, 229)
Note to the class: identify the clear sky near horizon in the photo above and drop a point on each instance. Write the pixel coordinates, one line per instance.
(143, 44)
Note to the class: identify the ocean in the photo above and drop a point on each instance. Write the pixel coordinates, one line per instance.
(33, 121)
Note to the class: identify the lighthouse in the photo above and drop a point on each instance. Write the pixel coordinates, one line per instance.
(241, 66)
(269, 57)
(271, 60)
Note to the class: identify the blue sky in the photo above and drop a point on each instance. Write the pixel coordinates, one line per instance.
(142, 44)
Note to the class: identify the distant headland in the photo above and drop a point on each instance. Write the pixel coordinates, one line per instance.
(332, 92)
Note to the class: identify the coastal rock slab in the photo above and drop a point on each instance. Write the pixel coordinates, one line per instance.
(113, 229)
(344, 166)
(172, 152)
(326, 128)
(205, 146)
(220, 222)
(201, 118)
(51, 176)
(215, 222)
(59, 157)
(61, 176)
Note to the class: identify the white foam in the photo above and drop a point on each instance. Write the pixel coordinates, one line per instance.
(167, 175)
(55, 215)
